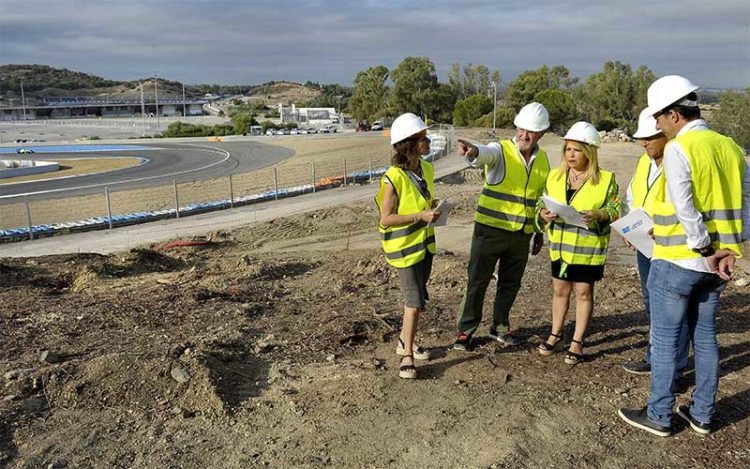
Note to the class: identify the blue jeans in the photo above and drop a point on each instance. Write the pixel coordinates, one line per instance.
(675, 294)
(644, 266)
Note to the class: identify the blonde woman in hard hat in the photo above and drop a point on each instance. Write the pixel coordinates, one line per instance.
(406, 200)
(577, 254)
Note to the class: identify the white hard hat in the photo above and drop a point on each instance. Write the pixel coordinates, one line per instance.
(405, 126)
(646, 125)
(585, 133)
(669, 90)
(532, 117)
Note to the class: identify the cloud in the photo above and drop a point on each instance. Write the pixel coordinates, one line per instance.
(233, 41)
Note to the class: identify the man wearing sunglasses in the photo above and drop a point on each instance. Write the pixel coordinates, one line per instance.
(700, 221)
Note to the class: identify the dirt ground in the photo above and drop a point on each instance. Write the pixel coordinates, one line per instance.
(273, 346)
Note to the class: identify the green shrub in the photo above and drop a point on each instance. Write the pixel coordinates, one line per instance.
(504, 118)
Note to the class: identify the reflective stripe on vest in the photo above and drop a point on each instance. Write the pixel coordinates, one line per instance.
(510, 204)
(411, 249)
(643, 194)
(570, 243)
(716, 167)
(406, 245)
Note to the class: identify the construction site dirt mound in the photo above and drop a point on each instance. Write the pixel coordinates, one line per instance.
(274, 346)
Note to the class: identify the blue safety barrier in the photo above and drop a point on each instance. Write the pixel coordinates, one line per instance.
(21, 233)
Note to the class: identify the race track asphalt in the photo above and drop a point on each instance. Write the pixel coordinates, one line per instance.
(164, 163)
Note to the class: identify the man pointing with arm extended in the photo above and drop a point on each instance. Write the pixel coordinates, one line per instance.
(516, 171)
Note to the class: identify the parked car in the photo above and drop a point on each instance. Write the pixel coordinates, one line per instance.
(363, 126)
(24, 151)
(377, 125)
(270, 132)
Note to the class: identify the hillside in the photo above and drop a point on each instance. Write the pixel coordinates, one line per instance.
(283, 92)
(42, 81)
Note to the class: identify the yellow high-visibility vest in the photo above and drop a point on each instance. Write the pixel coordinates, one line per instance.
(570, 243)
(643, 194)
(717, 166)
(405, 245)
(510, 204)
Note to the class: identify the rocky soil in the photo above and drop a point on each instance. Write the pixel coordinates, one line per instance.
(273, 346)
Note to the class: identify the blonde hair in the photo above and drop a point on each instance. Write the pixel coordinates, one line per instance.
(590, 152)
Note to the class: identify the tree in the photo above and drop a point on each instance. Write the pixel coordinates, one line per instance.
(474, 79)
(439, 103)
(370, 97)
(416, 89)
(242, 121)
(733, 117)
(561, 108)
(503, 116)
(456, 82)
(522, 90)
(469, 109)
(332, 95)
(615, 96)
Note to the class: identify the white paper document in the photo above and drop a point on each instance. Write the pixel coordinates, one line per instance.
(567, 212)
(443, 207)
(634, 227)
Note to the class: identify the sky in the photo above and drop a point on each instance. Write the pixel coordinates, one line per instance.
(255, 41)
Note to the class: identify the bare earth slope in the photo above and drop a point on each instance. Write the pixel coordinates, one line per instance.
(273, 346)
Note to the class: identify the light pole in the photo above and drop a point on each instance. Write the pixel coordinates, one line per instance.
(156, 98)
(23, 101)
(494, 110)
(143, 110)
(184, 111)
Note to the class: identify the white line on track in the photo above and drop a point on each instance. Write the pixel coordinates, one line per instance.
(207, 149)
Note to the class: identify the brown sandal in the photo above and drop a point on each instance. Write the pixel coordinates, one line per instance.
(545, 349)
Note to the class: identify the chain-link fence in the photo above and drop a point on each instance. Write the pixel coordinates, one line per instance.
(345, 164)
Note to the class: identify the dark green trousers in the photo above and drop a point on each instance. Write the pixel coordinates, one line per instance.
(490, 247)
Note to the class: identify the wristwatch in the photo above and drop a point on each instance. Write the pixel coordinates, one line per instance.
(706, 251)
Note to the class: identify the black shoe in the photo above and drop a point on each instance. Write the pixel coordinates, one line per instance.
(639, 419)
(463, 341)
(507, 339)
(641, 367)
(698, 427)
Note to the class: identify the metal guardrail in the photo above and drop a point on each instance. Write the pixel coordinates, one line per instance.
(29, 219)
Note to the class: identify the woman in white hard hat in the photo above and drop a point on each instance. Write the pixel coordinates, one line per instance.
(577, 253)
(406, 201)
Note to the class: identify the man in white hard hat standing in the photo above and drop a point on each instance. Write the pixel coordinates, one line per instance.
(516, 171)
(699, 223)
(642, 192)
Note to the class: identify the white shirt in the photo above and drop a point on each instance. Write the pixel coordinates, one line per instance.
(680, 193)
(653, 172)
(491, 155)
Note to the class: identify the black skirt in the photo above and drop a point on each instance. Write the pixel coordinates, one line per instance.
(578, 272)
